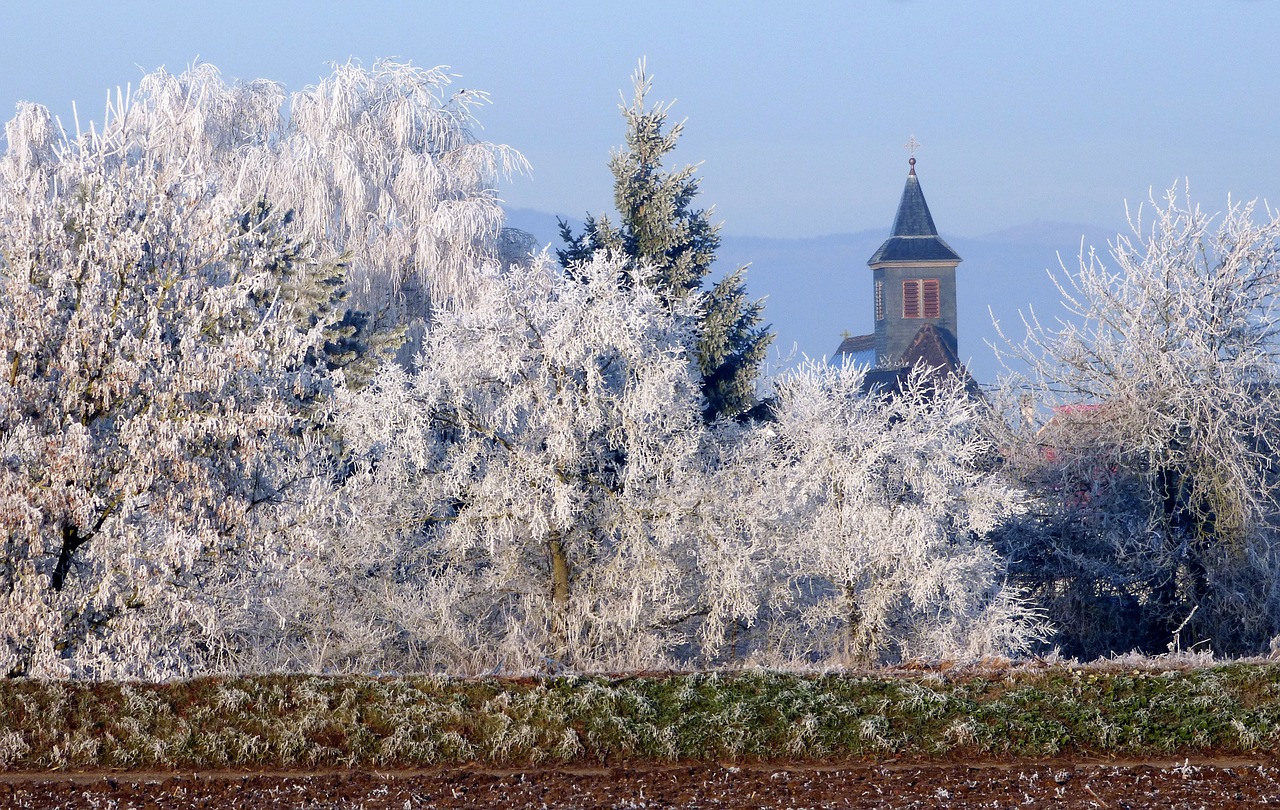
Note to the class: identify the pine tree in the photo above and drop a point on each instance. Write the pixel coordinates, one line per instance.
(660, 227)
(315, 291)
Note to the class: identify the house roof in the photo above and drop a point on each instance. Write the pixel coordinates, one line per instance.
(1075, 428)
(914, 237)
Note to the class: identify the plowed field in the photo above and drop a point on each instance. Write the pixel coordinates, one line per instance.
(1187, 784)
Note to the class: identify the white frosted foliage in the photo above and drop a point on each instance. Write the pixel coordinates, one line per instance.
(185, 489)
(540, 493)
(877, 509)
(517, 497)
(1163, 388)
(149, 407)
(157, 418)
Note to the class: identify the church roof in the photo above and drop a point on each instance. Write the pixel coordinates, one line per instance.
(857, 343)
(914, 237)
(860, 350)
(931, 349)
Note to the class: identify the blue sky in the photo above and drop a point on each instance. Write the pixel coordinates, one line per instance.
(1027, 110)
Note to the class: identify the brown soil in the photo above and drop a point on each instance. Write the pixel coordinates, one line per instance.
(1209, 784)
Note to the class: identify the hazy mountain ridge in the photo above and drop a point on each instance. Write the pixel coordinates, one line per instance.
(817, 288)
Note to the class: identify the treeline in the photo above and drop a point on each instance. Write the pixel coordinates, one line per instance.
(280, 394)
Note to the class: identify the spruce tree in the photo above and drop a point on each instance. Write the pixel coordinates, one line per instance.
(314, 291)
(660, 227)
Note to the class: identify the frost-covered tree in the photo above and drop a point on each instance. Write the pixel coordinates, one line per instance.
(518, 497)
(540, 493)
(879, 509)
(660, 228)
(384, 165)
(175, 284)
(381, 166)
(151, 406)
(1157, 472)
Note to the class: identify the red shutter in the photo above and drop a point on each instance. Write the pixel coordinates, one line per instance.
(932, 298)
(911, 299)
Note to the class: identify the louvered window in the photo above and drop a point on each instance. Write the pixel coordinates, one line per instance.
(931, 299)
(911, 299)
(879, 300)
(921, 298)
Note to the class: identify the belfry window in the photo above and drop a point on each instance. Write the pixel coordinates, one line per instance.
(921, 298)
(879, 300)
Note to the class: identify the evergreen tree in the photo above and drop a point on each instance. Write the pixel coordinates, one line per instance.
(660, 227)
(315, 291)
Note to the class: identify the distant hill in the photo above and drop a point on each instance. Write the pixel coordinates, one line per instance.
(819, 287)
(541, 224)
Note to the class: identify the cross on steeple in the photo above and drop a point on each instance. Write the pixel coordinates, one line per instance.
(912, 146)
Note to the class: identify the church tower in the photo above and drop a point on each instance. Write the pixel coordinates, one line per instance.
(914, 273)
(914, 278)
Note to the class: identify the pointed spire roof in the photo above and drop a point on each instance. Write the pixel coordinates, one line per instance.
(914, 237)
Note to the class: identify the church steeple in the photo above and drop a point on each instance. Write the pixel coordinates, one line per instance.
(914, 274)
(914, 236)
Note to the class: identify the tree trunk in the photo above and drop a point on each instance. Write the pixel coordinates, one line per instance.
(559, 563)
(71, 540)
(559, 572)
(853, 629)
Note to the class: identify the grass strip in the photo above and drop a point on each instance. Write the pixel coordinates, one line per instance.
(277, 722)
